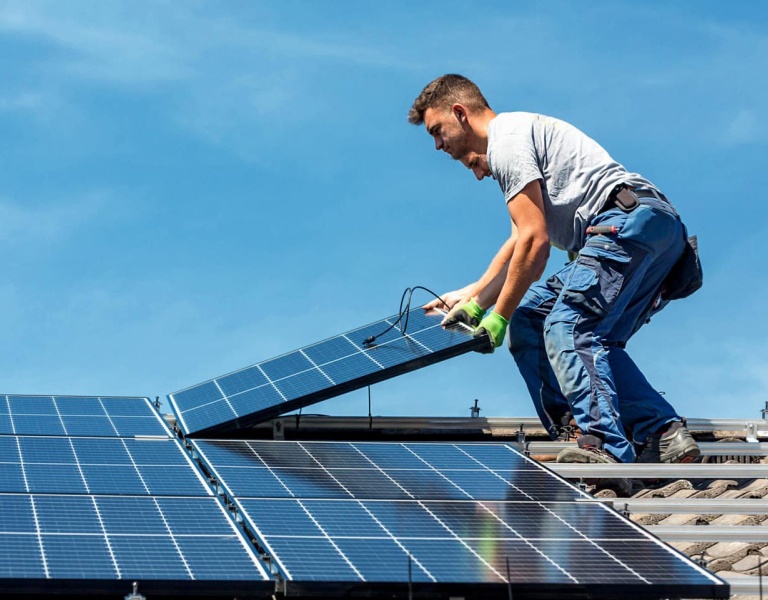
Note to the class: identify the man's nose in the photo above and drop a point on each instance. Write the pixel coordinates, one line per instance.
(438, 142)
(479, 173)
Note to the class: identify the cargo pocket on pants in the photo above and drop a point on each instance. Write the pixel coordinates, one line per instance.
(593, 285)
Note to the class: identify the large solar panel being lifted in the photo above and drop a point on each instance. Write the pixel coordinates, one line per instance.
(357, 517)
(89, 514)
(318, 372)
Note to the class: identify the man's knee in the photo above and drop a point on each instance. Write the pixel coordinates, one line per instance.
(559, 344)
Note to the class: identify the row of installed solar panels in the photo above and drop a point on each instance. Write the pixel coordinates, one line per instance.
(86, 514)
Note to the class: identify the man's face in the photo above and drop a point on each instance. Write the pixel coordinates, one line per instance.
(449, 135)
(477, 163)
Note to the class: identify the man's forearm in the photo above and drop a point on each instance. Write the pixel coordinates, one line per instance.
(489, 286)
(525, 266)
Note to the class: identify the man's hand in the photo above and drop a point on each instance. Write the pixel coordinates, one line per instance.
(494, 326)
(469, 313)
(451, 299)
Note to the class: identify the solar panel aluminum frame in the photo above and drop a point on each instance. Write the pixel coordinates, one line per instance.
(230, 427)
(149, 588)
(499, 591)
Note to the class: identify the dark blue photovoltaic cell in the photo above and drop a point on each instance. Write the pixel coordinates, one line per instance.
(11, 478)
(78, 555)
(16, 514)
(407, 519)
(66, 479)
(36, 425)
(313, 559)
(529, 565)
(130, 515)
(346, 511)
(380, 560)
(90, 425)
(34, 405)
(450, 561)
(180, 538)
(318, 372)
(149, 558)
(235, 383)
(79, 416)
(66, 514)
(217, 558)
(129, 466)
(20, 557)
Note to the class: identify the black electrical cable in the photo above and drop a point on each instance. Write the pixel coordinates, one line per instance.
(402, 312)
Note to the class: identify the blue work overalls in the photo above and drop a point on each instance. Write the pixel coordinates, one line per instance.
(568, 334)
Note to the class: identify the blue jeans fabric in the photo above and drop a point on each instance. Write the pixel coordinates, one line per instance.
(568, 334)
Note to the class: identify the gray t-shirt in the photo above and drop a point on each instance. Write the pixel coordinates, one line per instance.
(576, 173)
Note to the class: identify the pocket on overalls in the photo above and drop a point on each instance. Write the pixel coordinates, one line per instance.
(593, 285)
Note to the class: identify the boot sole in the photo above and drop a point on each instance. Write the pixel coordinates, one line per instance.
(686, 456)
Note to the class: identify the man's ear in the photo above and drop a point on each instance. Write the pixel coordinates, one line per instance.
(460, 112)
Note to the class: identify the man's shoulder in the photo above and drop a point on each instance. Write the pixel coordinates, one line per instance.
(514, 118)
(520, 121)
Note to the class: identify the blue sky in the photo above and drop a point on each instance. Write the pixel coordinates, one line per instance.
(188, 188)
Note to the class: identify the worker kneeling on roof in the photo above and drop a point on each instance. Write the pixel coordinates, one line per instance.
(568, 334)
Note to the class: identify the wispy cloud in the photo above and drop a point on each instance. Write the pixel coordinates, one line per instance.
(24, 101)
(745, 128)
(22, 222)
(97, 48)
(227, 81)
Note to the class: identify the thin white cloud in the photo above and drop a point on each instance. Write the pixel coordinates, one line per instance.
(744, 128)
(101, 45)
(25, 101)
(24, 223)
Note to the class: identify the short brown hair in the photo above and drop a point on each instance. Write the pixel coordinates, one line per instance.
(444, 92)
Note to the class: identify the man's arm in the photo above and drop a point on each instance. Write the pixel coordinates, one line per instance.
(490, 284)
(529, 259)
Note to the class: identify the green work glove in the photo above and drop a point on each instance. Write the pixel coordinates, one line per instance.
(469, 313)
(494, 326)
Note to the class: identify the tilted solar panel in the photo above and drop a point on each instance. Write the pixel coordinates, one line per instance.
(318, 372)
(99, 494)
(356, 517)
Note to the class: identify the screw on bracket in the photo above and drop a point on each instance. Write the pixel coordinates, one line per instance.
(134, 595)
(474, 411)
(751, 432)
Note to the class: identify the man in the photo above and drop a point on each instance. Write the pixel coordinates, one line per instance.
(567, 334)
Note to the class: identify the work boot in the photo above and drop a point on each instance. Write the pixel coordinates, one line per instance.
(590, 450)
(672, 445)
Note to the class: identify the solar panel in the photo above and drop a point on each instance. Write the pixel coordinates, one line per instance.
(76, 416)
(81, 514)
(96, 537)
(366, 515)
(318, 372)
(150, 466)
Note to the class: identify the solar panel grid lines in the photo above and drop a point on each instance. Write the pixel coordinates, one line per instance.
(105, 416)
(317, 372)
(319, 527)
(149, 466)
(82, 513)
(125, 535)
